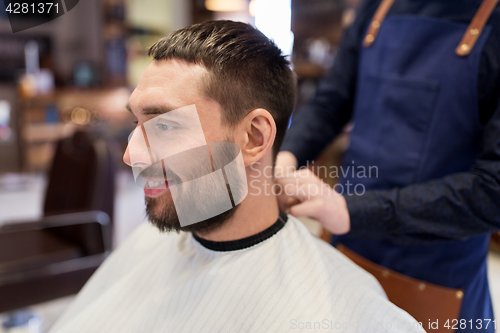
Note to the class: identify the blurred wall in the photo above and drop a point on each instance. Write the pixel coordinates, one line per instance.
(155, 18)
(76, 36)
(162, 16)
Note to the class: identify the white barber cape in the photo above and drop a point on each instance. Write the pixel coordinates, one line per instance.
(289, 281)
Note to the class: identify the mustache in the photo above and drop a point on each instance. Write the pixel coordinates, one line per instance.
(187, 173)
(158, 171)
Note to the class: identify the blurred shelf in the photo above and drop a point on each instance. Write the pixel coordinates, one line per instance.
(45, 119)
(43, 132)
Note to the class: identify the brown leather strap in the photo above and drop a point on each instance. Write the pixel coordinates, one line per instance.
(376, 22)
(475, 27)
(468, 40)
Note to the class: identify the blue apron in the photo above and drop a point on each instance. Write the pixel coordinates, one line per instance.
(416, 118)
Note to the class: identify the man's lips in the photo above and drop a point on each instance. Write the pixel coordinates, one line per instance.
(154, 188)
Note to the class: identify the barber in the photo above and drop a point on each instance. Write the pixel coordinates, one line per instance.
(420, 80)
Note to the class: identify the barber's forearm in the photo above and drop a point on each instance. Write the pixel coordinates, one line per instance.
(456, 207)
(372, 215)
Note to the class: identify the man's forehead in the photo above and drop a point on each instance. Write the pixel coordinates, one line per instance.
(173, 82)
(160, 73)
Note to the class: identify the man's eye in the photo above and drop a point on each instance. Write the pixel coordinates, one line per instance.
(164, 127)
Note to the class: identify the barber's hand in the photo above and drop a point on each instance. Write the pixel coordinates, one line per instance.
(286, 162)
(306, 195)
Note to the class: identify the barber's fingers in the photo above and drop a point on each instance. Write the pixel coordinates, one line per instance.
(298, 180)
(299, 186)
(309, 208)
(317, 200)
(290, 201)
(285, 201)
(330, 210)
(303, 191)
(302, 176)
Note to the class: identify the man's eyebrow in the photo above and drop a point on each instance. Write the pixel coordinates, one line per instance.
(161, 109)
(152, 110)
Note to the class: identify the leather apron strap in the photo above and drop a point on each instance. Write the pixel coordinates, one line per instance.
(475, 27)
(376, 22)
(468, 40)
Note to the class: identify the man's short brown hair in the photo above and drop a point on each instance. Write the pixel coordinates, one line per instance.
(246, 70)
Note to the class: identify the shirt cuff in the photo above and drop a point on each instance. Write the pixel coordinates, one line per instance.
(370, 216)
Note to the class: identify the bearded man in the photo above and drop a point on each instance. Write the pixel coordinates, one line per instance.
(212, 109)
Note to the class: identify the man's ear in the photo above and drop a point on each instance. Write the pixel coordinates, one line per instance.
(255, 135)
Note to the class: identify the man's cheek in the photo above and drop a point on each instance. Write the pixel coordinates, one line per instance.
(174, 145)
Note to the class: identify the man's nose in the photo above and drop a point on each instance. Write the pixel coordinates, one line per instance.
(126, 157)
(137, 153)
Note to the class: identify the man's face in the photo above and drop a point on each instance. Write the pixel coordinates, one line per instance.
(174, 116)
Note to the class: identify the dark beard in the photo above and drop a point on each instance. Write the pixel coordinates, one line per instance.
(167, 220)
(161, 210)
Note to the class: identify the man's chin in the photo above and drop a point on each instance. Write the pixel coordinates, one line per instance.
(162, 214)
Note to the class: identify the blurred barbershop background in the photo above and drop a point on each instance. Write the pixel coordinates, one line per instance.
(66, 197)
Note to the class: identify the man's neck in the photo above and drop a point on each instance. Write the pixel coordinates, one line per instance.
(254, 214)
